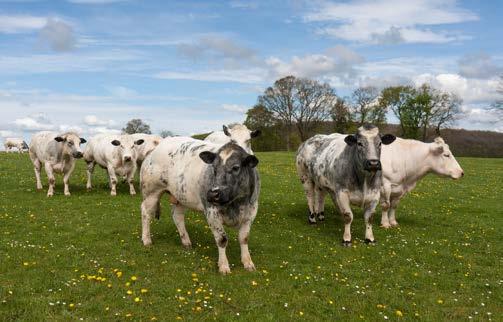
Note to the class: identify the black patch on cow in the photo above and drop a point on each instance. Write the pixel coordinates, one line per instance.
(82, 140)
(139, 142)
(222, 242)
(388, 139)
(59, 139)
(371, 242)
(116, 142)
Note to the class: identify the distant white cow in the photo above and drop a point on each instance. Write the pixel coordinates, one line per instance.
(404, 163)
(238, 133)
(17, 143)
(117, 154)
(58, 153)
(150, 143)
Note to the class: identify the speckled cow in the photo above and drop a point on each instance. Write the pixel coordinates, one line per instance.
(220, 181)
(348, 168)
(238, 133)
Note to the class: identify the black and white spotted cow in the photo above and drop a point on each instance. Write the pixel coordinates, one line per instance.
(348, 168)
(220, 181)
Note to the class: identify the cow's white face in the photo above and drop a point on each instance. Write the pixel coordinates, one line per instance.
(127, 149)
(443, 161)
(71, 144)
(242, 136)
(149, 145)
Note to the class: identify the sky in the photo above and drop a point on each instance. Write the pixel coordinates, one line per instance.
(191, 66)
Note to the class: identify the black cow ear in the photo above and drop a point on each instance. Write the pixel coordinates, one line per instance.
(82, 140)
(388, 139)
(59, 139)
(250, 161)
(255, 133)
(226, 130)
(208, 157)
(116, 142)
(350, 140)
(139, 142)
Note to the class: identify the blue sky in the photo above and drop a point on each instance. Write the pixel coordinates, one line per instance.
(191, 66)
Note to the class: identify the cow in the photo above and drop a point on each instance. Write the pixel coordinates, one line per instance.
(347, 167)
(58, 153)
(238, 133)
(404, 163)
(150, 143)
(220, 181)
(17, 143)
(117, 154)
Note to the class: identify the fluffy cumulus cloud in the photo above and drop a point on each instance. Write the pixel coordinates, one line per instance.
(38, 122)
(235, 108)
(479, 65)
(58, 35)
(389, 21)
(93, 120)
(20, 23)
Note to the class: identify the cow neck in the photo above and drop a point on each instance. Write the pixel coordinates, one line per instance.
(415, 171)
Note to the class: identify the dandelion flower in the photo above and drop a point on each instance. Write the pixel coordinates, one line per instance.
(399, 313)
(143, 290)
(134, 278)
(137, 299)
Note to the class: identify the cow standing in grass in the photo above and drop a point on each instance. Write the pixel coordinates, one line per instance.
(117, 154)
(150, 143)
(404, 163)
(220, 181)
(17, 143)
(348, 168)
(238, 133)
(58, 153)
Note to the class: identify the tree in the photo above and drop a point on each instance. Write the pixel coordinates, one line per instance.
(136, 126)
(397, 98)
(497, 106)
(166, 133)
(298, 102)
(341, 115)
(447, 113)
(365, 101)
(258, 117)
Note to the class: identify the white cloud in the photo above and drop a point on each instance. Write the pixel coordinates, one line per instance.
(93, 120)
(247, 76)
(389, 21)
(121, 91)
(20, 23)
(94, 1)
(241, 4)
(58, 35)
(70, 128)
(7, 133)
(34, 123)
(235, 108)
(479, 65)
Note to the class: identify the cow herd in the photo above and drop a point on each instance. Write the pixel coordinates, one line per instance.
(218, 175)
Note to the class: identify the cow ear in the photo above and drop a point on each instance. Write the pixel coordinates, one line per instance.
(388, 139)
(116, 142)
(139, 142)
(82, 140)
(255, 133)
(250, 161)
(156, 142)
(208, 157)
(350, 140)
(437, 149)
(59, 139)
(226, 130)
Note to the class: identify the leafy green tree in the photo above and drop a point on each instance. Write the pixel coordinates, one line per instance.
(341, 115)
(136, 126)
(166, 133)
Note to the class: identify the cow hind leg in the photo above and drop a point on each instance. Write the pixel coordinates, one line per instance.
(37, 166)
(89, 170)
(149, 207)
(319, 203)
(178, 214)
(129, 180)
(368, 216)
(393, 206)
(341, 199)
(309, 189)
(113, 180)
(52, 180)
(244, 234)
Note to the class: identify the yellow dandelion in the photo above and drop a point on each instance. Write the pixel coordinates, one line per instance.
(143, 290)
(71, 305)
(129, 292)
(25, 263)
(134, 278)
(301, 313)
(137, 299)
(399, 313)
(440, 301)
(127, 284)
(118, 273)
(254, 283)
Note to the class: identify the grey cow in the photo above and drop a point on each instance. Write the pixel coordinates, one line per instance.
(348, 168)
(220, 181)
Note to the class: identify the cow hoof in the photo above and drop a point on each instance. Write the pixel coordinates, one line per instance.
(147, 242)
(385, 226)
(113, 193)
(371, 242)
(250, 267)
(311, 219)
(224, 270)
(321, 216)
(393, 224)
(187, 246)
(132, 193)
(346, 243)
(68, 194)
(49, 195)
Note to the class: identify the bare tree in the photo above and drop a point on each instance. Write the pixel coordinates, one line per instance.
(447, 112)
(136, 126)
(341, 115)
(366, 106)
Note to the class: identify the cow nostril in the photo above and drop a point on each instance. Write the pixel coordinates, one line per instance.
(462, 173)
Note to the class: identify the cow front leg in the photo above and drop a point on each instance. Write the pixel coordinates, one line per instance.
(309, 190)
(66, 179)
(113, 180)
(50, 177)
(244, 235)
(368, 216)
(178, 214)
(89, 170)
(393, 206)
(385, 204)
(216, 225)
(342, 200)
(129, 178)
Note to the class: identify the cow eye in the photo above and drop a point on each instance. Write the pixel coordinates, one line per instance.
(70, 143)
(447, 155)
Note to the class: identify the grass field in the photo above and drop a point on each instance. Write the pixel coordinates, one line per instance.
(67, 258)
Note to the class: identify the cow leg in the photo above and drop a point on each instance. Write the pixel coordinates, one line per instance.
(368, 215)
(244, 234)
(309, 189)
(66, 178)
(37, 165)
(217, 228)
(113, 180)
(178, 214)
(341, 198)
(319, 203)
(129, 179)
(89, 171)
(385, 204)
(52, 180)
(149, 207)
(393, 206)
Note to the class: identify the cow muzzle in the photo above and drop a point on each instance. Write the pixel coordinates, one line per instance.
(372, 165)
(77, 155)
(127, 158)
(217, 196)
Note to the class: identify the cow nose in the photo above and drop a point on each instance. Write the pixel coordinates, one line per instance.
(374, 164)
(78, 155)
(214, 194)
(128, 158)
(462, 173)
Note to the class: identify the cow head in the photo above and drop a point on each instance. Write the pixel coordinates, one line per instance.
(443, 162)
(233, 176)
(241, 135)
(126, 148)
(367, 144)
(71, 144)
(151, 142)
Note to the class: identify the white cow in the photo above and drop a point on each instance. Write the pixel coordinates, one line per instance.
(117, 154)
(220, 181)
(58, 153)
(404, 163)
(238, 133)
(150, 143)
(17, 143)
